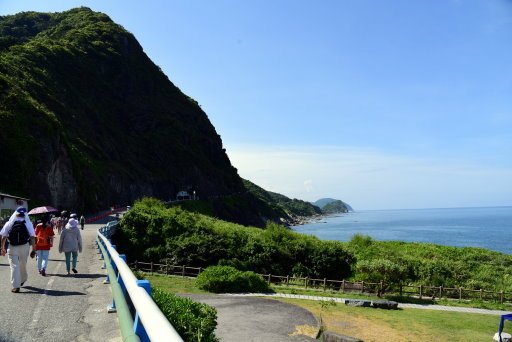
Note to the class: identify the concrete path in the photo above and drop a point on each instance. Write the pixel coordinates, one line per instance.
(258, 319)
(400, 305)
(59, 307)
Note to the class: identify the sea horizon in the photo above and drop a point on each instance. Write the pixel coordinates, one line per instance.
(481, 227)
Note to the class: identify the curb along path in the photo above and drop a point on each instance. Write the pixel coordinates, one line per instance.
(400, 305)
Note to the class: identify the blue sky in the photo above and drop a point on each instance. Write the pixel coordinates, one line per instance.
(383, 104)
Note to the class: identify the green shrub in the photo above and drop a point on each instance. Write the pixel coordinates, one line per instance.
(219, 279)
(193, 321)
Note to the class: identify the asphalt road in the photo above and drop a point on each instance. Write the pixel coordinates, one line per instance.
(59, 307)
(252, 319)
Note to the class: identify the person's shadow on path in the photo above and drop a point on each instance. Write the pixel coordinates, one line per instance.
(58, 293)
(78, 275)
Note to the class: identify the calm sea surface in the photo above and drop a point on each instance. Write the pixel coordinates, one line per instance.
(489, 228)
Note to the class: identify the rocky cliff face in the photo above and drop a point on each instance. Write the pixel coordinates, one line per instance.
(88, 121)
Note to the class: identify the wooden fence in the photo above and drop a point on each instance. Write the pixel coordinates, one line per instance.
(345, 286)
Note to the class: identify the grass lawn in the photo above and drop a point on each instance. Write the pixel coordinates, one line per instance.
(371, 324)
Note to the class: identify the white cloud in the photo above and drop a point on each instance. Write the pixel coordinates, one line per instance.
(308, 185)
(369, 179)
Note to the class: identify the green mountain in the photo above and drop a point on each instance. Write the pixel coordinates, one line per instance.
(332, 206)
(288, 210)
(335, 207)
(88, 120)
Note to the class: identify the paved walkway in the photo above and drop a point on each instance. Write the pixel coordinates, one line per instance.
(400, 305)
(59, 307)
(252, 319)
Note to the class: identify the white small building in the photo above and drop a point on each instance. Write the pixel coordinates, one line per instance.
(8, 204)
(183, 195)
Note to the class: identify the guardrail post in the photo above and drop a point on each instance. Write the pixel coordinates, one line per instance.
(119, 278)
(138, 327)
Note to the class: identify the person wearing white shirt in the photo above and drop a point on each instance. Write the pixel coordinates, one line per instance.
(18, 254)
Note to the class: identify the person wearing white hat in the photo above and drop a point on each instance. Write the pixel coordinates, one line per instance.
(20, 233)
(71, 243)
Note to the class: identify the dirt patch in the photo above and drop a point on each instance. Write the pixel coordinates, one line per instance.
(306, 330)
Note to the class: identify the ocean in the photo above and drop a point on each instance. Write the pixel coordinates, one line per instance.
(489, 227)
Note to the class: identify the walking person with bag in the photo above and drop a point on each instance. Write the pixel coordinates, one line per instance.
(44, 241)
(71, 243)
(20, 233)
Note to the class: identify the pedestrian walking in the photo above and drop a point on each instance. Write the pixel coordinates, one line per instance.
(53, 221)
(62, 221)
(71, 243)
(82, 221)
(20, 233)
(44, 242)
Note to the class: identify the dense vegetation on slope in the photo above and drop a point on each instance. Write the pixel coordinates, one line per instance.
(88, 120)
(335, 207)
(290, 207)
(152, 232)
(430, 264)
(332, 206)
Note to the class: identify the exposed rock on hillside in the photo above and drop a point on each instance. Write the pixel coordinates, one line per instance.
(88, 120)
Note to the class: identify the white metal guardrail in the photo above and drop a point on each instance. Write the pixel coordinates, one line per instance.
(157, 327)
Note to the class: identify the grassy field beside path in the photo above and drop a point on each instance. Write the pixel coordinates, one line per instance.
(371, 324)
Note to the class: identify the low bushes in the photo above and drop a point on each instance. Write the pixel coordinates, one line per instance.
(228, 279)
(152, 232)
(193, 321)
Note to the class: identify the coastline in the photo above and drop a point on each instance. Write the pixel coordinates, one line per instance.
(302, 220)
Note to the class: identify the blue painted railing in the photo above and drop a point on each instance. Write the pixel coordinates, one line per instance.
(149, 323)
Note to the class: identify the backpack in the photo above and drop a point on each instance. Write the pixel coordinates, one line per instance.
(18, 234)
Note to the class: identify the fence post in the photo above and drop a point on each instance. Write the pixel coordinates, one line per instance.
(268, 278)
(401, 290)
(343, 286)
(183, 271)
(421, 291)
(199, 271)
(501, 296)
(460, 293)
(166, 267)
(306, 283)
(325, 283)
(362, 287)
(151, 267)
(287, 280)
(440, 291)
(481, 294)
(381, 287)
